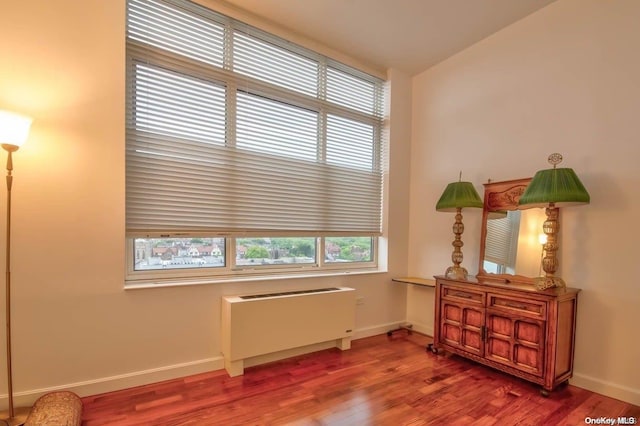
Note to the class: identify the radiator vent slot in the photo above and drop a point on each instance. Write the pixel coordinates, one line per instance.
(288, 293)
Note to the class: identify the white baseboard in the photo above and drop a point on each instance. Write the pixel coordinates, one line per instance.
(612, 390)
(361, 333)
(426, 329)
(118, 382)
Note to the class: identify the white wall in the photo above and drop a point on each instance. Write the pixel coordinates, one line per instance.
(564, 79)
(63, 62)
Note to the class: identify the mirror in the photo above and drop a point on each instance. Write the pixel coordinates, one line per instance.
(512, 239)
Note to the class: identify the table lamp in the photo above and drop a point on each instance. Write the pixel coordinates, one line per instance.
(455, 197)
(553, 188)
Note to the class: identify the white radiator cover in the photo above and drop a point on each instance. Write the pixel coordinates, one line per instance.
(277, 322)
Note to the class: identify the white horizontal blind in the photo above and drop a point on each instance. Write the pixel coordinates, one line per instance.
(158, 23)
(262, 60)
(351, 91)
(175, 105)
(350, 143)
(275, 128)
(231, 130)
(501, 241)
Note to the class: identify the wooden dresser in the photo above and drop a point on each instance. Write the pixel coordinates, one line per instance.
(508, 326)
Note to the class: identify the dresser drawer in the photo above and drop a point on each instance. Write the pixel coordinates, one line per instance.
(530, 308)
(462, 294)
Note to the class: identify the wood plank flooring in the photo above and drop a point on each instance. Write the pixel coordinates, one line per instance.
(379, 381)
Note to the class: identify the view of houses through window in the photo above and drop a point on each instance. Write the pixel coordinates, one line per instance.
(175, 253)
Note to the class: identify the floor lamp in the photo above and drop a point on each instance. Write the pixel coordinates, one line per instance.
(14, 130)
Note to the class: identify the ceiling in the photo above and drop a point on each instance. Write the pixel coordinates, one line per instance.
(409, 35)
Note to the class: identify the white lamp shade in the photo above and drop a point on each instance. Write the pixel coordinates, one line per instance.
(14, 128)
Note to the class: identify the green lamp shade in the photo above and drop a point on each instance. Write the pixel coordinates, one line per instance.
(458, 195)
(559, 186)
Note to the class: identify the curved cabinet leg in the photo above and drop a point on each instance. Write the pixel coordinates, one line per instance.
(544, 392)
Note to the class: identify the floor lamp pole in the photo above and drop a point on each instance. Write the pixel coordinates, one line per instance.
(13, 419)
(14, 131)
(8, 280)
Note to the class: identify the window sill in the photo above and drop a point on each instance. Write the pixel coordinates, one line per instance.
(138, 285)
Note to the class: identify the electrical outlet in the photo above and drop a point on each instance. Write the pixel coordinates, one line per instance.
(360, 300)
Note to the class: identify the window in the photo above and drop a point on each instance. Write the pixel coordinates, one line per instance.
(246, 154)
(348, 249)
(178, 253)
(275, 251)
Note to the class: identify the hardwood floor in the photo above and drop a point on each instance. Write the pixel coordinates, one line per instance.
(379, 381)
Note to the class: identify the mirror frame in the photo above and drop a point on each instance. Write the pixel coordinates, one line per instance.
(502, 195)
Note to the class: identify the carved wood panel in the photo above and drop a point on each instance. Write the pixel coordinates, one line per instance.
(516, 342)
(462, 326)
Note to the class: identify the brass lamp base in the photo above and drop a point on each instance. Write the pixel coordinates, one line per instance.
(456, 272)
(543, 283)
(19, 418)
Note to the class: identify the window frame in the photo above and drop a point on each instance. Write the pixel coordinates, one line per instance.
(233, 272)
(138, 52)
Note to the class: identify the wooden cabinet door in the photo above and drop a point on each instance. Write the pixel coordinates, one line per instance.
(517, 342)
(461, 326)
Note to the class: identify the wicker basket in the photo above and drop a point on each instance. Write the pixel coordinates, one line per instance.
(56, 409)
